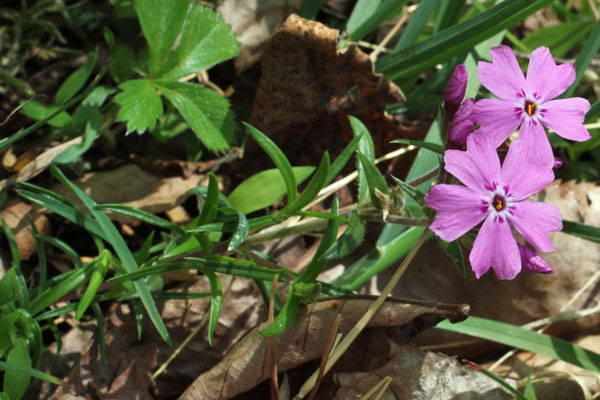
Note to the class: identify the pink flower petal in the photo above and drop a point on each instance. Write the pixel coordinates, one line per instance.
(497, 117)
(461, 125)
(455, 89)
(566, 116)
(532, 133)
(544, 78)
(479, 166)
(495, 247)
(534, 221)
(533, 262)
(502, 76)
(459, 207)
(520, 175)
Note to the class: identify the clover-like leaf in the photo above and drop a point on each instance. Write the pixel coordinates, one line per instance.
(140, 105)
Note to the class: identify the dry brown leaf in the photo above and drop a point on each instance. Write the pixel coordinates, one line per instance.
(253, 23)
(16, 213)
(38, 164)
(418, 375)
(308, 88)
(132, 186)
(247, 364)
(432, 276)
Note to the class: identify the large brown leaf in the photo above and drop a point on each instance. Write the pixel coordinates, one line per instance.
(248, 363)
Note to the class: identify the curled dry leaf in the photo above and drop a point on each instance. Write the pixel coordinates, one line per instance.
(308, 87)
(248, 364)
(132, 186)
(418, 375)
(530, 296)
(16, 213)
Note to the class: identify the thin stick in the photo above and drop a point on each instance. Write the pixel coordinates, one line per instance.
(325, 356)
(375, 54)
(362, 323)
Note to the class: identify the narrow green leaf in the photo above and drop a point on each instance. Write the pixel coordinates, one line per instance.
(416, 24)
(8, 286)
(374, 179)
(142, 254)
(367, 148)
(456, 40)
(15, 384)
(587, 232)
(207, 113)
(590, 48)
(558, 38)
(448, 14)
(593, 113)
(241, 232)
(64, 210)
(141, 215)
(101, 330)
(96, 279)
(205, 41)
(370, 22)
(122, 251)
(264, 189)
(21, 292)
(38, 112)
(277, 156)
(161, 23)
(211, 201)
(310, 8)
(454, 250)
(499, 380)
(76, 80)
(314, 186)
(413, 192)
(141, 105)
(216, 301)
(342, 159)
(92, 127)
(524, 339)
(529, 392)
(435, 147)
(65, 248)
(350, 239)
(285, 317)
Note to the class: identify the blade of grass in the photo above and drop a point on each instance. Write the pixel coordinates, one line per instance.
(587, 232)
(590, 48)
(141, 215)
(120, 247)
(416, 24)
(4, 366)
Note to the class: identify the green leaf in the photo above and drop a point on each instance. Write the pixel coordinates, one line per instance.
(307, 292)
(122, 58)
(314, 186)
(125, 255)
(77, 150)
(310, 8)
(558, 38)
(590, 48)
(456, 40)
(416, 24)
(524, 339)
(216, 301)
(141, 215)
(8, 286)
(350, 239)
(96, 279)
(142, 254)
(141, 105)
(498, 379)
(264, 189)
(366, 17)
(76, 80)
(211, 202)
(341, 160)
(374, 179)
(435, 147)
(207, 113)
(21, 292)
(15, 383)
(285, 317)
(206, 40)
(38, 111)
(448, 14)
(454, 250)
(280, 160)
(529, 392)
(588, 232)
(241, 232)
(367, 148)
(413, 192)
(161, 23)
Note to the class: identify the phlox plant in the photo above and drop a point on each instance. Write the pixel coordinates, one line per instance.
(498, 195)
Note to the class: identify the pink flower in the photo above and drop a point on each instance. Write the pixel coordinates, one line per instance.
(526, 102)
(497, 196)
(459, 115)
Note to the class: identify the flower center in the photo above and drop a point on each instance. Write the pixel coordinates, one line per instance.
(530, 107)
(499, 203)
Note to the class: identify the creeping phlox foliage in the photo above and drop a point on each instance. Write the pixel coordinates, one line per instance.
(495, 194)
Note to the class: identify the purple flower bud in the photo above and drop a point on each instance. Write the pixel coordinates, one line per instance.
(455, 90)
(461, 125)
(558, 162)
(533, 262)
